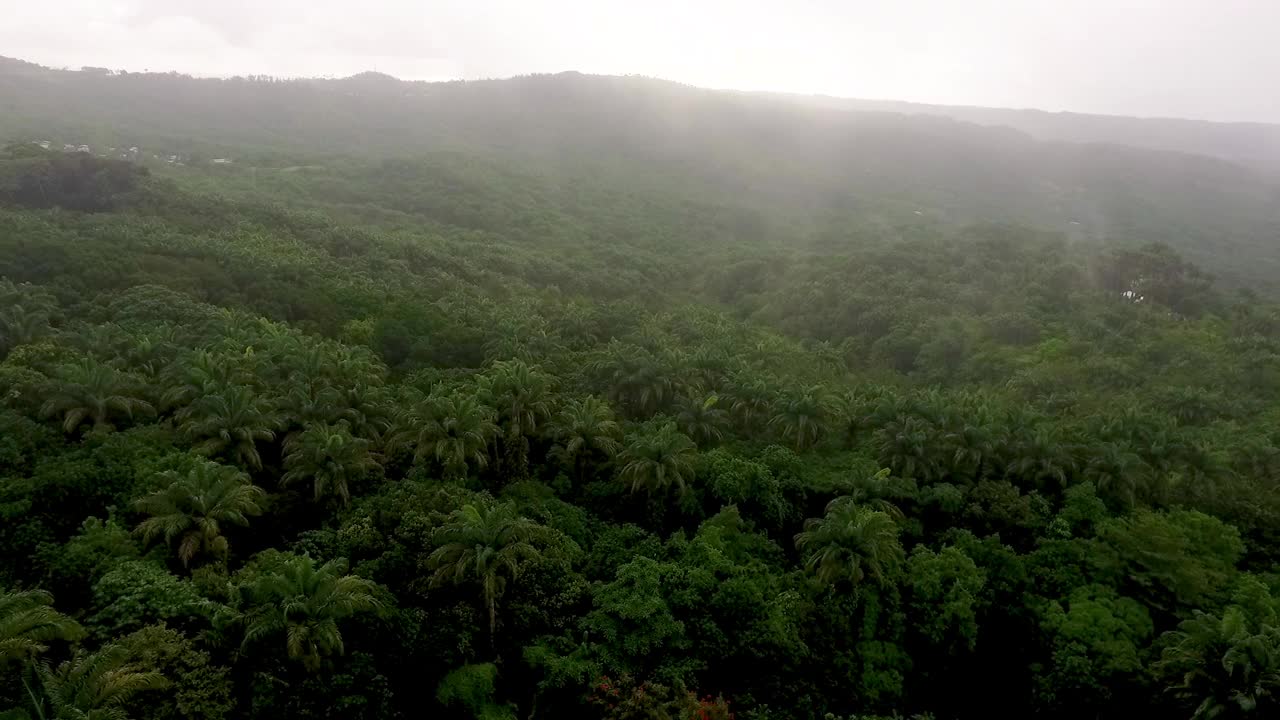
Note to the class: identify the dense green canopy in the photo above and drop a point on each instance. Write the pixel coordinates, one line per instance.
(484, 434)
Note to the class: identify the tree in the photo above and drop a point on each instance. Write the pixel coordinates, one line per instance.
(945, 597)
(801, 418)
(202, 373)
(232, 421)
(521, 397)
(637, 381)
(585, 429)
(488, 545)
(28, 623)
(851, 542)
(976, 444)
(25, 312)
(196, 506)
(658, 459)
(94, 392)
(96, 686)
(1173, 560)
(1116, 472)
(520, 393)
(305, 603)
(701, 420)
(1038, 458)
(1224, 665)
(328, 456)
(1098, 638)
(909, 445)
(752, 403)
(453, 430)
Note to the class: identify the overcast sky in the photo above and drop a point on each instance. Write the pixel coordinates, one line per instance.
(1214, 59)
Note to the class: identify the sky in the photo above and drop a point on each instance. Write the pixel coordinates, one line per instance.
(1206, 59)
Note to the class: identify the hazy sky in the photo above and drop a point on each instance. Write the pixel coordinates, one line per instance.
(1215, 59)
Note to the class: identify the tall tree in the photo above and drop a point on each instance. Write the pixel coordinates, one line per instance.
(194, 509)
(305, 604)
(585, 430)
(488, 545)
(329, 457)
(28, 622)
(90, 391)
(233, 422)
(521, 396)
(96, 686)
(800, 418)
(453, 430)
(657, 459)
(851, 542)
(701, 420)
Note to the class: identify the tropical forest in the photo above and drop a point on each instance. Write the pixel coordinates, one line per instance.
(572, 396)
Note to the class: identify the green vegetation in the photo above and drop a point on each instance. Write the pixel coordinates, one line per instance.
(503, 433)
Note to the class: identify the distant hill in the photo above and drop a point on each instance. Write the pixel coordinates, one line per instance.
(795, 170)
(1253, 145)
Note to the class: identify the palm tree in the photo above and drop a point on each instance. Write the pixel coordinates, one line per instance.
(20, 325)
(585, 428)
(702, 420)
(872, 491)
(656, 460)
(1039, 457)
(96, 686)
(1116, 471)
(801, 418)
(201, 373)
(909, 446)
(329, 456)
(309, 403)
(24, 314)
(305, 603)
(752, 403)
(28, 622)
(454, 430)
(851, 542)
(521, 396)
(232, 421)
(488, 545)
(976, 443)
(94, 392)
(196, 506)
(1227, 666)
(636, 380)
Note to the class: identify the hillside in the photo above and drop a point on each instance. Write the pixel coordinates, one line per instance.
(583, 398)
(817, 174)
(1251, 145)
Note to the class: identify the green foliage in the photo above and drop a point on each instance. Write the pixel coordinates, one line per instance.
(488, 545)
(28, 623)
(562, 380)
(473, 687)
(138, 593)
(850, 543)
(329, 457)
(193, 509)
(945, 589)
(1098, 644)
(658, 459)
(95, 686)
(1177, 560)
(293, 597)
(198, 688)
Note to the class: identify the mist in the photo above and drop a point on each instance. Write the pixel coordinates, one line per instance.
(1208, 59)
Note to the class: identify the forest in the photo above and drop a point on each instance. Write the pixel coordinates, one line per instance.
(536, 432)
